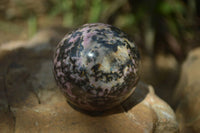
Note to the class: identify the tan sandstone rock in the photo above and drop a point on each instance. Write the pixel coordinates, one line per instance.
(187, 94)
(31, 101)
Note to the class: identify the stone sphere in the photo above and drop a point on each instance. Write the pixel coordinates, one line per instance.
(96, 67)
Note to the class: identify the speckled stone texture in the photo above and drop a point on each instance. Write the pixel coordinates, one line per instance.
(96, 66)
(31, 102)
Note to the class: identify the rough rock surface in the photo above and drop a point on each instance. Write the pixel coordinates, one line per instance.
(30, 100)
(187, 94)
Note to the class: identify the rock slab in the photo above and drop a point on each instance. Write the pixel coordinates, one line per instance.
(30, 100)
(187, 93)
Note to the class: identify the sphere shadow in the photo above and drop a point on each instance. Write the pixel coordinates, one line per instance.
(136, 97)
(17, 68)
(112, 120)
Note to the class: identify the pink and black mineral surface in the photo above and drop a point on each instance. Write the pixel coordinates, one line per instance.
(96, 66)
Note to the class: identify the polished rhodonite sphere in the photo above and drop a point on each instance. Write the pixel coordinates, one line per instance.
(96, 66)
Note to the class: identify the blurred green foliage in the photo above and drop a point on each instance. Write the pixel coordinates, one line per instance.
(155, 25)
(76, 12)
(32, 25)
(95, 11)
(64, 8)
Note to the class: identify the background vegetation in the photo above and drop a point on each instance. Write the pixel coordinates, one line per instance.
(166, 26)
(164, 30)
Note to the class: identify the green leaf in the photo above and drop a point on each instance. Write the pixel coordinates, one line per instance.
(168, 7)
(95, 11)
(32, 26)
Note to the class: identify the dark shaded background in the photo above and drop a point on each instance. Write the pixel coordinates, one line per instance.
(164, 30)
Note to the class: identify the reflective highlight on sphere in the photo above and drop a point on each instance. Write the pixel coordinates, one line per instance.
(96, 66)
